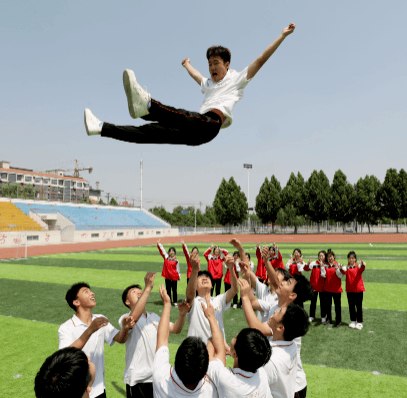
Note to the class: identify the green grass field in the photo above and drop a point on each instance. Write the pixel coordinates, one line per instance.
(338, 362)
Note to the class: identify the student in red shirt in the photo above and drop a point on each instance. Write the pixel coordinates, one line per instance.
(354, 289)
(295, 265)
(333, 288)
(171, 271)
(187, 256)
(276, 259)
(227, 281)
(317, 284)
(261, 271)
(215, 266)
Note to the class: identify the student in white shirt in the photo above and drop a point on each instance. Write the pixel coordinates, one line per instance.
(141, 342)
(67, 373)
(222, 91)
(201, 282)
(284, 326)
(188, 376)
(89, 332)
(250, 351)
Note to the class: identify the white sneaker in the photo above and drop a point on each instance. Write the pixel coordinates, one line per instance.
(352, 325)
(137, 98)
(310, 319)
(234, 306)
(359, 326)
(175, 304)
(92, 123)
(323, 320)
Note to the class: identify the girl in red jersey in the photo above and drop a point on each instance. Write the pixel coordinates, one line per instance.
(295, 265)
(171, 271)
(227, 281)
(317, 284)
(276, 259)
(261, 271)
(187, 256)
(215, 266)
(354, 289)
(333, 288)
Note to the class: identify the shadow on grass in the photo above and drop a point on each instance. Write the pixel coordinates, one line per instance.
(120, 390)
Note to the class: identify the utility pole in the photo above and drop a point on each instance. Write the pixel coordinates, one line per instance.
(108, 196)
(248, 167)
(141, 184)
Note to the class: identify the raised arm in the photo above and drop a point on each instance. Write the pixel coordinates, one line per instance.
(255, 66)
(271, 273)
(208, 252)
(163, 332)
(237, 245)
(162, 250)
(230, 262)
(186, 63)
(96, 324)
(177, 326)
(191, 287)
(127, 324)
(140, 306)
(217, 342)
(186, 252)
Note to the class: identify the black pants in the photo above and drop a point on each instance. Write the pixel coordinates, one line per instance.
(217, 283)
(175, 126)
(140, 390)
(227, 287)
(313, 305)
(172, 285)
(338, 309)
(355, 306)
(302, 393)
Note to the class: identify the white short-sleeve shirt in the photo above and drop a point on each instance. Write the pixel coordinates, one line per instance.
(223, 95)
(167, 384)
(199, 324)
(72, 329)
(238, 383)
(281, 369)
(140, 349)
(263, 293)
(301, 377)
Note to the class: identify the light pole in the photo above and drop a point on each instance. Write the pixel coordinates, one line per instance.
(141, 184)
(248, 167)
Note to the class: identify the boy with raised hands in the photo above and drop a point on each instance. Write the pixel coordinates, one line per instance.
(250, 351)
(142, 340)
(188, 376)
(284, 327)
(201, 282)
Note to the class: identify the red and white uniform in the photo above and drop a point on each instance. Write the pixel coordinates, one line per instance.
(186, 252)
(316, 280)
(171, 269)
(354, 280)
(236, 268)
(333, 278)
(261, 271)
(215, 263)
(294, 267)
(277, 260)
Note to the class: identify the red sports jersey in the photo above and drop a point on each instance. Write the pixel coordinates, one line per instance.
(277, 262)
(186, 252)
(354, 280)
(215, 263)
(171, 269)
(227, 276)
(333, 284)
(261, 271)
(316, 280)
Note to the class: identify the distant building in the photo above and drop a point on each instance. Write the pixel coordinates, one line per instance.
(53, 187)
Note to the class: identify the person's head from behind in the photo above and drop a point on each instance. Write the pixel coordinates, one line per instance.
(68, 373)
(251, 349)
(131, 295)
(191, 361)
(80, 294)
(204, 281)
(218, 60)
(297, 254)
(330, 255)
(289, 322)
(322, 256)
(171, 252)
(352, 258)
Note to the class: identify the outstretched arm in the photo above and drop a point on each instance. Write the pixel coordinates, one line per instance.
(186, 63)
(140, 306)
(176, 327)
(255, 66)
(230, 262)
(191, 287)
(163, 332)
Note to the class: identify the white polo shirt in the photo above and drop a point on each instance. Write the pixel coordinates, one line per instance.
(199, 324)
(263, 293)
(72, 329)
(223, 95)
(166, 382)
(237, 383)
(281, 369)
(301, 379)
(140, 349)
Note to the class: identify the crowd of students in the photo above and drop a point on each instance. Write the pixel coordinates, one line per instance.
(266, 354)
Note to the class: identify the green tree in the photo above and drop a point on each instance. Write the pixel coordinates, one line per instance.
(209, 217)
(162, 213)
(268, 201)
(293, 196)
(367, 206)
(101, 202)
(230, 203)
(318, 197)
(403, 192)
(9, 190)
(342, 208)
(113, 202)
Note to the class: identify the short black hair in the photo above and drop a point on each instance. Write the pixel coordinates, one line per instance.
(352, 253)
(283, 271)
(219, 51)
(126, 291)
(329, 251)
(191, 360)
(324, 252)
(72, 293)
(253, 349)
(298, 250)
(208, 274)
(236, 253)
(195, 248)
(302, 288)
(248, 255)
(295, 322)
(172, 248)
(64, 374)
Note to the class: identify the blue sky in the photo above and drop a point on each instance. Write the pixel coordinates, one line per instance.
(332, 97)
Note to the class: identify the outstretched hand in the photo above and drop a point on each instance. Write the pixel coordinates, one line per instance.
(229, 261)
(208, 310)
(288, 30)
(186, 62)
(184, 307)
(194, 260)
(265, 253)
(236, 243)
(149, 279)
(244, 287)
(128, 322)
(98, 323)
(164, 295)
